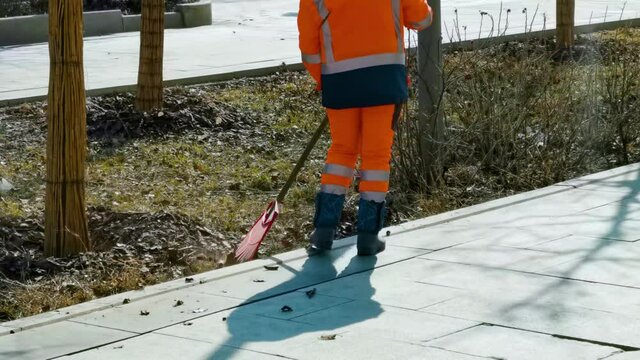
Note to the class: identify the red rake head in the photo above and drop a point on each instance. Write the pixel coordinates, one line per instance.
(248, 248)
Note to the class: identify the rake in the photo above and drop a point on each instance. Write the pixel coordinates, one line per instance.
(250, 244)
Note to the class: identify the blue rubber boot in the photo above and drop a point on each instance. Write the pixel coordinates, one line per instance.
(371, 217)
(328, 214)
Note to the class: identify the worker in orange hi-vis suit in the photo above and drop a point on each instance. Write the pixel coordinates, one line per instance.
(354, 49)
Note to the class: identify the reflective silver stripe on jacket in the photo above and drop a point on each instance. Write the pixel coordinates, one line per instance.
(333, 189)
(326, 29)
(374, 175)
(363, 62)
(339, 170)
(397, 10)
(373, 196)
(311, 58)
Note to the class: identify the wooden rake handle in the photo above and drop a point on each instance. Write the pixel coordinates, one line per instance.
(303, 158)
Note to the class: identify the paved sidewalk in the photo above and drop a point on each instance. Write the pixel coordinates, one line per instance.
(256, 34)
(549, 274)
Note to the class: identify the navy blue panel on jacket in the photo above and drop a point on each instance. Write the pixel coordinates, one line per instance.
(372, 86)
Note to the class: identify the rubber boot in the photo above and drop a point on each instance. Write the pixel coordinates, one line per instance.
(328, 214)
(371, 217)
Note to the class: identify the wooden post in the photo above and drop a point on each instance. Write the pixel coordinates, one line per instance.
(66, 230)
(150, 88)
(430, 88)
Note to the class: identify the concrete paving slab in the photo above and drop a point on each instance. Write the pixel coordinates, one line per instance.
(359, 346)
(299, 303)
(302, 273)
(539, 303)
(597, 260)
(162, 311)
(417, 327)
(457, 234)
(543, 211)
(438, 237)
(405, 293)
(522, 288)
(502, 343)
(546, 317)
(616, 221)
(303, 340)
(164, 347)
(501, 256)
(574, 257)
(56, 340)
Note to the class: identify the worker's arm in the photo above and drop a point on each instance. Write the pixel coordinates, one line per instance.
(417, 14)
(309, 26)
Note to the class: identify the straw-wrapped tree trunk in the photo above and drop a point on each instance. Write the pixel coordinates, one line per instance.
(565, 18)
(151, 52)
(66, 230)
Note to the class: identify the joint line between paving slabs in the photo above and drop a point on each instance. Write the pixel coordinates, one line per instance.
(453, 333)
(93, 347)
(228, 346)
(535, 273)
(622, 347)
(463, 353)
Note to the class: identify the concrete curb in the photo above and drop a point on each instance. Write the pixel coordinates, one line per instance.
(195, 80)
(22, 30)
(159, 289)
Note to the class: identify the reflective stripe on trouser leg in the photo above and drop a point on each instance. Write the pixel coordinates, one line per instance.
(337, 175)
(374, 185)
(377, 140)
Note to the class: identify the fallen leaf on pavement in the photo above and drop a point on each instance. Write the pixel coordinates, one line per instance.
(311, 293)
(328, 337)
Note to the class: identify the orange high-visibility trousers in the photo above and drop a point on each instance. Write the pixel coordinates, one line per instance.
(360, 131)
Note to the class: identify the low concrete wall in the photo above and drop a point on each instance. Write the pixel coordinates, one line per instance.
(35, 29)
(133, 22)
(24, 29)
(174, 21)
(196, 14)
(98, 23)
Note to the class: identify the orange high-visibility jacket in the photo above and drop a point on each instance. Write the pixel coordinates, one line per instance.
(354, 49)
